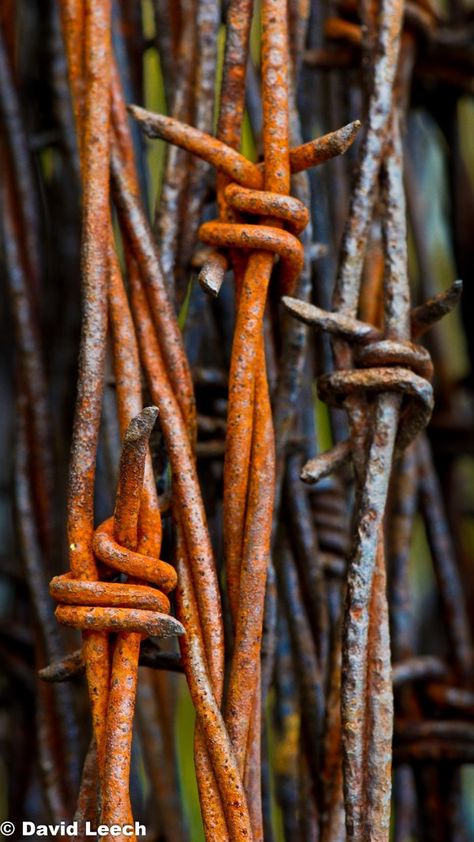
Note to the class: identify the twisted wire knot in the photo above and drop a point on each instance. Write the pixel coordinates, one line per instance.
(266, 237)
(116, 606)
(245, 194)
(387, 365)
(382, 365)
(122, 606)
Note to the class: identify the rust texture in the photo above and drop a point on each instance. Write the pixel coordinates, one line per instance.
(249, 462)
(133, 610)
(240, 480)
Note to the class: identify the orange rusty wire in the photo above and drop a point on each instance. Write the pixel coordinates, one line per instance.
(382, 379)
(221, 765)
(222, 799)
(249, 471)
(249, 458)
(87, 35)
(108, 606)
(132, 609)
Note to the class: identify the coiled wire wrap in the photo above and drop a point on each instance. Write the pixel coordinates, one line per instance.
(384, 365)
(264, 237)
(118, 606)
(388, 366)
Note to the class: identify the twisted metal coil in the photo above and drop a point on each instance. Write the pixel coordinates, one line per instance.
(249, 470)
(122, 606)
(278, 241)
(383, 365)
(131, 610)
(104, 605)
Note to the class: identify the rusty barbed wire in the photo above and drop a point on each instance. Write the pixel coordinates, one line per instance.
(131, 609)
(367, 698)
(248, 368)
(305, 640)
(334, 387)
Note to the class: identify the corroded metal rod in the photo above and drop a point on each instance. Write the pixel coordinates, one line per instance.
(300, 673)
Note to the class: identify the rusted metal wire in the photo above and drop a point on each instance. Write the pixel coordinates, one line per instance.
(34, 457)
(131, 609)
(366, 695)
(115, 771)
(347, 385)
(313, 677)
(248, 502)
